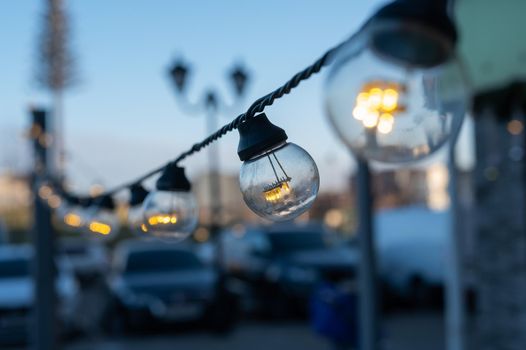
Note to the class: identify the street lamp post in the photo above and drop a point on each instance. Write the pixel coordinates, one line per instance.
(43, 328)
(211, 106)
(369, 294)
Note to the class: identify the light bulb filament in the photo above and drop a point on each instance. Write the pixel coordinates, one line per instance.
(100, 228)
(162, 220)
(277, 190)
(376, 105)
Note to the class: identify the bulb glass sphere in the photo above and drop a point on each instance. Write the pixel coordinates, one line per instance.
(101, 224)
(136, 220)
(70, 217)
(170, 215)
(280, 184)
(389, 111)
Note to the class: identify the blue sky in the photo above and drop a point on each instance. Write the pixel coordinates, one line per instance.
(122, 118)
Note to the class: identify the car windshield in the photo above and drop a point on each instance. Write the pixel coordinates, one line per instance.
(288, 242)
(161, 261)
(14, 268)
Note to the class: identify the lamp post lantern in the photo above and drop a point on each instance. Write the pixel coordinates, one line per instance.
(211, 106)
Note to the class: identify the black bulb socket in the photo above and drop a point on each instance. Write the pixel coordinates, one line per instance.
(137, 195)
(425, 38)
(173, 179)
(104, 202)
(257, 135)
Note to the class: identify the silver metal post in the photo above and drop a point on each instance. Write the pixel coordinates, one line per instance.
(43, 327)
(368, 296)
(214, 178)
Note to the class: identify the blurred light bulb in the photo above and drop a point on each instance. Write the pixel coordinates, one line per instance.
(70, 217)
(136, 222)
(102, 222)
(171, 212)
(389, 109)
(371, 119)
(73, 219)
(279, 180)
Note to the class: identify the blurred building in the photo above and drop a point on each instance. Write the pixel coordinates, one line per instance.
(233, 207)
(15, 201)
(396, 188)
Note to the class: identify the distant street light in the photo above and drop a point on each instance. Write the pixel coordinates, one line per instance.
(212, 106)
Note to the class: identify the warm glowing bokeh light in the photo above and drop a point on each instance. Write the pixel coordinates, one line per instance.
(100, 228)
(72, 220)
(376, 105)
(162, 220)
(437, 183)
(359, 112)
(45, 191)
(96, 190)
(54, 201)
(385, 124)
(375, 98)
(334, 218)
(201, 235)
(515, 127)
(389, 100)
(371, 119)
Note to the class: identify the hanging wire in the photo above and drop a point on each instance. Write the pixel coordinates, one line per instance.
(257, 107)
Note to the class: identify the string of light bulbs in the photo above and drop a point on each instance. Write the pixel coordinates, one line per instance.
(394, 94)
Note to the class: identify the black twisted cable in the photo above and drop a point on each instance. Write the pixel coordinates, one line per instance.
(257, 107)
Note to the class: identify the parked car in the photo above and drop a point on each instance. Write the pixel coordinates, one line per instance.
(412, 244)
(88, 259)
(284, 263)
(17, 296)
(162, 282)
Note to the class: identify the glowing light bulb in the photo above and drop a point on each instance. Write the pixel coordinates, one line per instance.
(385, 124)
(279, 180)
(136, 220)
(99, 228)
(424, 91)
(389, 100)
(375, 98)
(102, 222)
(371, 119)
(70, 215)
(362, 98)
(73, 220)
(360, 112)
(170, 212)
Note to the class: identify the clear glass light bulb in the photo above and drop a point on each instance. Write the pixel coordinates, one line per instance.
(136, 221)
(280, 184)
(70, 217)
(170, 215)
(387, 111)
(101, 223)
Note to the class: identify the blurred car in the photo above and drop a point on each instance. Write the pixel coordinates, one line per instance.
(411, 245)
(17, 294)
(159, 281)
(284, 263)
(88, 259)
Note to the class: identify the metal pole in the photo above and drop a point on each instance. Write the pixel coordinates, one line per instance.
(368, 296)
(43, 331)
(214, 175)
(455, 309)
